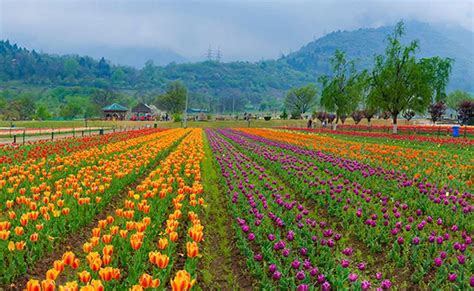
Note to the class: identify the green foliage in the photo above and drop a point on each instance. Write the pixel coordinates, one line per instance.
(456, 97)
(301, 100)
(174, 100)
(342, 91)
(399, 80)
(284, 114)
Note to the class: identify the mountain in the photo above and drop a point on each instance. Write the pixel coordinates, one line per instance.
(362, 44)
(219, 87)
(133, 56)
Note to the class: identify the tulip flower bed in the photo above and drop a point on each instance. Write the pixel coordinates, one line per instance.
(38, 211)
(13, 154)
(452, 166)
(310, 219)
(137, 247)
(293, 210)
(416, 138)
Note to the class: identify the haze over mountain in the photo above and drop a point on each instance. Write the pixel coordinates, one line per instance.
(220, 86)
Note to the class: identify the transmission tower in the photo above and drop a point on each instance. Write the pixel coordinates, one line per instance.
(209, 53)
(219, 54)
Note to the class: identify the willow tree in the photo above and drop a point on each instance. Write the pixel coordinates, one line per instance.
(341, 91)
(301, 99)
(400, 81)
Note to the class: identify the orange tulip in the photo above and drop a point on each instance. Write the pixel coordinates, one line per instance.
(97, 284)
(106, 260)
(68, 258)
(123, 233)
(52, 274)
(106, 274)
(75, 264)
(20, 245)
(48, 285)
(95, 264)
(106, 238)
(65, 211)
(84, 276)
(58, 265)
(34, 237)
(33, 285)
(108, 250)
(19, 231)
(87, 247)
(182, 281)
(173, 236)
(146, 281)
(162, 243)
(135, 242)
(192, 249)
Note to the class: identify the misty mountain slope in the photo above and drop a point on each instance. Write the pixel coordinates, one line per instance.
(363, 44)
(216, 84)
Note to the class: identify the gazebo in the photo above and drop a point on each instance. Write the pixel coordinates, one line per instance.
(142, 112)
(115, 112)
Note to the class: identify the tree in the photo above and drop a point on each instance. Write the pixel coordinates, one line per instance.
(71, 67)
(284, 114)
(408, 114)
(399, 80)
(103, 68)
(456, 97)
(24, 106)
(174, 99)
(438, 71)
(300, 100)
(357, 116)
(466, 112)
(341, 92)
(436, 111)
(42, 113)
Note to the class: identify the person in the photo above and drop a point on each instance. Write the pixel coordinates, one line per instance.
(310, 123)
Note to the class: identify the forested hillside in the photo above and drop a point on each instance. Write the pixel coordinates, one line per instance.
(59, 83)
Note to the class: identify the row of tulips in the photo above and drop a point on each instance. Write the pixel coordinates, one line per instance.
(24, 179)
(36, 222)
(14, 154)
(138, 247)
(402, 229)
(444, 165)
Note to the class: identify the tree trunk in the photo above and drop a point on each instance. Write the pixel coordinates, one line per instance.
(394, 128)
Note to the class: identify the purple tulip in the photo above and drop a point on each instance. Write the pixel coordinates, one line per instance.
(471, 281)
(251, 236)
(361, 266)
(438, 262)
(345, 263)
(461, 259)
(443, 255)
(326, 286)
(400, 240)
(365, 285)
(258, 257)
(386, 284)
(272, 268)
(271, 237)
(416, 240)
(353, 277)
(303, 287)
(300, 275)
(314, 272)
(452, 277)
(276, 275)
(295, 264)
(378, 276)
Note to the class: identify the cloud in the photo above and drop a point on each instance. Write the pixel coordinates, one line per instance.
(243, 30)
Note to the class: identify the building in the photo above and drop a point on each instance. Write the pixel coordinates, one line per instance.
(115, 112)
(142, 112)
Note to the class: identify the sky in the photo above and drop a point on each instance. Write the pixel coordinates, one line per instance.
(240, 30)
